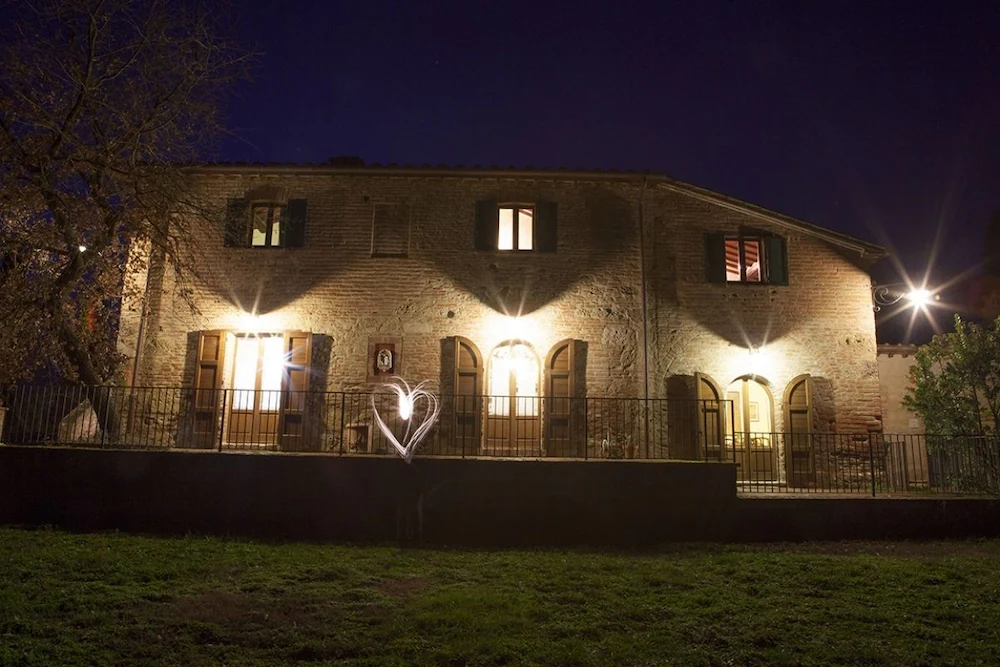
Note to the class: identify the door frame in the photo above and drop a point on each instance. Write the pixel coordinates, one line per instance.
(753, 462)
(256, 438)
(513, 442)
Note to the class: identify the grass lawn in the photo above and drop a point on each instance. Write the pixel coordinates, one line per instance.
(110, 599)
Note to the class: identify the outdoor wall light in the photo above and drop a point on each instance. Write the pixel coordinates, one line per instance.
(889, 295)
(760, 361)
(248, 323)
(512, 327)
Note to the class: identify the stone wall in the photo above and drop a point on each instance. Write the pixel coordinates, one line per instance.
(591, 289)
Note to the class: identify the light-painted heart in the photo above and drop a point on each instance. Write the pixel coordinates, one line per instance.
(414, 433)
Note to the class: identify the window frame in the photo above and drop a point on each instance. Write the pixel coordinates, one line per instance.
(516, 209)
(762, 261)
(271, 207)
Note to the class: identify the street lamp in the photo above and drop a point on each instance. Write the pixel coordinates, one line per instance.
(887, 295)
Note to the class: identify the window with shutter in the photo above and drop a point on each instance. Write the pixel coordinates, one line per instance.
(265, 225)
(516, 227)
(745, 259)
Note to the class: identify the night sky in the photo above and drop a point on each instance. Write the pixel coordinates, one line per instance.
(874, 119)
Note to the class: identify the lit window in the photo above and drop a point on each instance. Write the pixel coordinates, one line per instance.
(516, 228)
(266, 226)
(505, 235)
(744, 260)
(513, 370)
(257, 372)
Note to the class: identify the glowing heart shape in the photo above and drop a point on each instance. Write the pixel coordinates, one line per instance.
(407, 399)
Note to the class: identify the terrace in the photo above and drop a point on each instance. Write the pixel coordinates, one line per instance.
(500, 427)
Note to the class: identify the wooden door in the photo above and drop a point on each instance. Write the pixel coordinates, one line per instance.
(468, 397)
(711, 426)
(564, 402)
(800, 463)
(293, 419)
(258, 368)
(207, 397)
(513, 407)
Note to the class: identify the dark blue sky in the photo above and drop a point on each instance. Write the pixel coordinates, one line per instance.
(875, 119)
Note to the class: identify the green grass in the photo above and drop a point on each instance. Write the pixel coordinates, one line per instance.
(112, 599)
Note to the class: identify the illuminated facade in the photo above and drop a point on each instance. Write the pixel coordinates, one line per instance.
(516, 285)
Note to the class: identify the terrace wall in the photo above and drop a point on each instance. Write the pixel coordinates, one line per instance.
(444, 501)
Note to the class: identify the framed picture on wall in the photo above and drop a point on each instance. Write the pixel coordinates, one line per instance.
(383, 358)
(754, 415)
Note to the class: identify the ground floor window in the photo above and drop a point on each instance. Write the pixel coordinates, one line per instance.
(250, 389)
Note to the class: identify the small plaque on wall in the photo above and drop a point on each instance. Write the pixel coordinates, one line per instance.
(383, 358)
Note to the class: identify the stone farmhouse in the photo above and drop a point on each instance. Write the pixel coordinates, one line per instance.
(529, 300)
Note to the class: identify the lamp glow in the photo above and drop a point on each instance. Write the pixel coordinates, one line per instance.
(760, 361)
(919, 297)
(82, 248)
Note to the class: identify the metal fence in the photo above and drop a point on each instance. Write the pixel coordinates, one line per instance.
(343, 423)
(866, 463)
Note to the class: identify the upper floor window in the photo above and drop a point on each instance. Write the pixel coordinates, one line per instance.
(744, 260)
(753, 259)
(516, 230)
(265, 224)
(516, 227)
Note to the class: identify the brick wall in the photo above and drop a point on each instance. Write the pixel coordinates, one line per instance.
(591, 289)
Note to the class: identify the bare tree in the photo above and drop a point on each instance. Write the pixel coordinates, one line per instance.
(102, 103)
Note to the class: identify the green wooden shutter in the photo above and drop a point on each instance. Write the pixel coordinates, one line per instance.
(236, 231)
(715, 258)
(776, 254)
(545, 226)
(294, 224)
(487, 222)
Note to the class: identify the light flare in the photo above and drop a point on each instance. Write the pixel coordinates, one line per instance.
(415, 432)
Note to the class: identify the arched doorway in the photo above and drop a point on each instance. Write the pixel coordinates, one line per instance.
(752, 425)
(800, 463)
(513, 406)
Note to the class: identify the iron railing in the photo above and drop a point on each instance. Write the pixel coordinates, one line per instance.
(342, 423)
(866, 463)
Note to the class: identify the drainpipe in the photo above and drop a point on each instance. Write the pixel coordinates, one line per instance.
(139, 340)
(645, 313)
